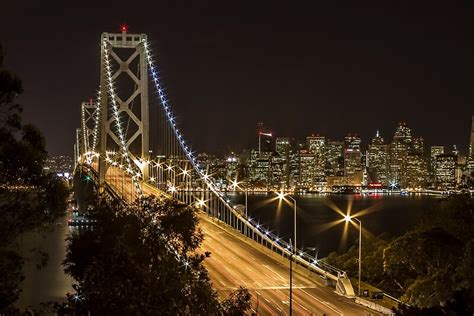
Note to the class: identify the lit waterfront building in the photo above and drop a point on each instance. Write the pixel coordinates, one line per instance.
(59, 165)
(278, 171)
(265, 139)
(282, 146)
(353, 174)
(334, 159)
(283, 150)
(307, 168)
(377, 160)
(260, 167)
(399, 147)
(445, 168)
(316, 145)
(417, 167)
(470, 164)
(214, 165)
(416, 171)
(434, 152)
(461, 170)
(232, 163)
(352, 141)
(294, 168)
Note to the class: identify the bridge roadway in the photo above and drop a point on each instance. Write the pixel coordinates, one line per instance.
(236, 261)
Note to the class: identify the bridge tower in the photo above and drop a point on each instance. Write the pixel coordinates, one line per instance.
(88, 116)
(124, 81)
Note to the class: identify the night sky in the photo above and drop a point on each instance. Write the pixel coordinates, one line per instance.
(227, 65)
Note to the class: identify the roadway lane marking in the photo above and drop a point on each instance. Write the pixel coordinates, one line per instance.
(274, 272)
(323, 302)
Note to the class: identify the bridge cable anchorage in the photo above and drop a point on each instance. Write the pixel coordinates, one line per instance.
(118, 125)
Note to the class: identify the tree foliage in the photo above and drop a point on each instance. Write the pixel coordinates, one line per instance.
(29, 198)
(141, 260)
(429, 267)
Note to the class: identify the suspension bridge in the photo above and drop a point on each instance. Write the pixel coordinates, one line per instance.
(130, 144)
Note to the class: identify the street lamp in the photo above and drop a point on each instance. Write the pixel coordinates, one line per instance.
(281, 197)
(348, 219)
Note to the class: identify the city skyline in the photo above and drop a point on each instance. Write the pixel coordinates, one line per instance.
(326, 68)
(364, 141)
(320, 164)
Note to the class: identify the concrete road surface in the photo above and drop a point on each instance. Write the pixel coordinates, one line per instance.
(235, 262)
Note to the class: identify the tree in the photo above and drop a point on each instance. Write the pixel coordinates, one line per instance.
(434, 261)
(141, 260)
(424, 261)
(29, 198)
(428, 267)
(237, 302)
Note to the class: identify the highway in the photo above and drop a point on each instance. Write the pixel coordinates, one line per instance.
(237, 261)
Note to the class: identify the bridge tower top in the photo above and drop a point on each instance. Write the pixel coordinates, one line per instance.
(124, 104)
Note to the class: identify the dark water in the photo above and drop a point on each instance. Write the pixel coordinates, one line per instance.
(49, 283)
(392, 215)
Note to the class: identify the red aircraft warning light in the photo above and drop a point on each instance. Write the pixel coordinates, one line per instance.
(124, 28)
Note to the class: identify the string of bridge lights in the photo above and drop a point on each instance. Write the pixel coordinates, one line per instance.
(171, 120)
(207, 178)
(95, 131)
(84, 130)
(192, 158)
(200, 203)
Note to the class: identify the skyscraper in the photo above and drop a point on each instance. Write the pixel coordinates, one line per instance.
(260, 167)
(352, 167)
(316, 145)
(377, 160)
(399, 147)
(416, 168)
(307, 168)
(470, 165)
(232, 166)
(282, 146)
(335, 158)
(434, 152)
(352, 141)
(282, 159)
(445, 168)
(265, 140)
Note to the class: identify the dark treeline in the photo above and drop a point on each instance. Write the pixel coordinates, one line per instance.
(29, 197)
(430, 267)
(142, 260)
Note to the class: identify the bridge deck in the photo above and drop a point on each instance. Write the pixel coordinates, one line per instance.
(236, 260)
